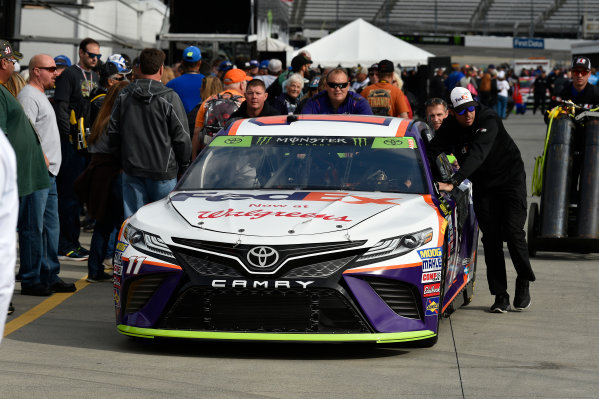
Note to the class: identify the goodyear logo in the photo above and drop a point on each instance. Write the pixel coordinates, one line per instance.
(432, 307)
(430, 253)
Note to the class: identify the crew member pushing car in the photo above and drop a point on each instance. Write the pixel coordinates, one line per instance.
(489, 158)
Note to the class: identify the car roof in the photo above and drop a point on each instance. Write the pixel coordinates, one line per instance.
(321, 125)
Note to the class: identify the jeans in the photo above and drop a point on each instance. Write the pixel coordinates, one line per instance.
(501, 106)
(38, 236)
(138, 191)
(73, 163)
(100, 244)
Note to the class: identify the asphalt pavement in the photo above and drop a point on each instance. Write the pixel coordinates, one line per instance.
(67, 346)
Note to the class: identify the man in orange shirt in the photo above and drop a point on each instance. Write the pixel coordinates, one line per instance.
(384, 98)
(235, 82)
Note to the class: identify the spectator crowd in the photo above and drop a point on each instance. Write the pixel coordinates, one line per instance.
(95, 141)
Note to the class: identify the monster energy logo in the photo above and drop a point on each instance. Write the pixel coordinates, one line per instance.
(359, 142)
(263, 140)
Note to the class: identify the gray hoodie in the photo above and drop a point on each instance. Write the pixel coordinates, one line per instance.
(148, 131)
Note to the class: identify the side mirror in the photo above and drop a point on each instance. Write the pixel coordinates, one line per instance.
(444, 167)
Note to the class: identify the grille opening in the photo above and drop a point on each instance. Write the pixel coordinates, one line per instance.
(317, 310)
(141, 290)
(401, 297)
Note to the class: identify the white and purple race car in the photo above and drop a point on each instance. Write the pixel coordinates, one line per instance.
(300, 228)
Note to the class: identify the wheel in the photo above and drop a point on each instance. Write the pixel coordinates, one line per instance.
(533, 229)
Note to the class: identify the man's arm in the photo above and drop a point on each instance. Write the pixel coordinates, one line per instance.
(362, 106)
(113, 129)
(179, 131)
(62, 95)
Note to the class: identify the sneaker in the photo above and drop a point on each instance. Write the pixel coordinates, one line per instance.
(73, 255)
(11, 309)
(83, 251)
(102, 277)
(61, 286)
(502, 304)
(35, 290)
(522, 297)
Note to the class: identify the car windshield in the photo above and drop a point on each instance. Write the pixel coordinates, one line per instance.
(316, 163)
(524, 83)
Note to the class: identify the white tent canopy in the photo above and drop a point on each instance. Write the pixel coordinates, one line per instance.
(270, 44)
(362, 43)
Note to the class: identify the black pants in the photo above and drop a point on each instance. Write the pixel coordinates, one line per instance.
(501, 213)
(539, 103)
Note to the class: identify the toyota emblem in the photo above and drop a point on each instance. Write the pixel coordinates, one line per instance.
(262, 257)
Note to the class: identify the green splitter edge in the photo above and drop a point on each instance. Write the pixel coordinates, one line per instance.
(380, 338)
(231, 141)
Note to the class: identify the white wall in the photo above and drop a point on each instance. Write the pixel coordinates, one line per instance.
(134, 20)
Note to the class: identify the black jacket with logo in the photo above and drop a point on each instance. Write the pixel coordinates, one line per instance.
(486, 153)
(148, 130)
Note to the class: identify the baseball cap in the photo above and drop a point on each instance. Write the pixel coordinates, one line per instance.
(6, 51)
(275, 65)
(314, 82)
(264, 64)
(225, 66)
(581, 62)
(192, 54)
(62, 60)
(461, 98)
(234, 75)
(254, 64)
(299, 61)
(501, 74)
(386, 66)
(120, 63)
(374, 67)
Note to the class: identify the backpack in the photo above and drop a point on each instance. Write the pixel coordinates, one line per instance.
(218, 110)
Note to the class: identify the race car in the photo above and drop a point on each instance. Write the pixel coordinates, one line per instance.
(313, 228)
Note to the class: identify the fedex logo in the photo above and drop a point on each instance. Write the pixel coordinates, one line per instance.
(296, 196)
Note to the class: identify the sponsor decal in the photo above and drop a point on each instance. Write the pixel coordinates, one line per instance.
(430, 252)
(117, 298)
(432, 307)
(431, 290)
(117, 270)
(116, 281)
(260, 284)
(311, 140)
(465, 261)
(259, 214)
(529, 42)
(360, 141)
(263, 140)
(121, 246)
(231, 141)
(431, 277)
(394, 142)
(296, 196)
(429, 265)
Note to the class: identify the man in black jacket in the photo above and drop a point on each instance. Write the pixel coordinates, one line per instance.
(148, 131)
(489, 158)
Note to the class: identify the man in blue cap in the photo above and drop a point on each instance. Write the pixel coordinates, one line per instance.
(188, 85)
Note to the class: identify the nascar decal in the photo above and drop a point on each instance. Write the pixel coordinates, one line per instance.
(431, 277)
(432, 307)
(259, 213)
(431, 290)
(297, 196)
(432, 259)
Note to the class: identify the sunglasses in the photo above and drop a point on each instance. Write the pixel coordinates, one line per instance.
(469, 109)
(51, 69)
(337, 85)
(579, 72)
(11, 60)
(92, 55)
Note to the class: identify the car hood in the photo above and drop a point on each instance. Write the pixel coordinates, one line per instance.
(281, 213)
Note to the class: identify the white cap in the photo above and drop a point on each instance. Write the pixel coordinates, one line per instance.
(501, 74)
(120, 63)
(461, 98)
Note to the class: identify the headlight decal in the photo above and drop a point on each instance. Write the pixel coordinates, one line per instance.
(396, 246)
